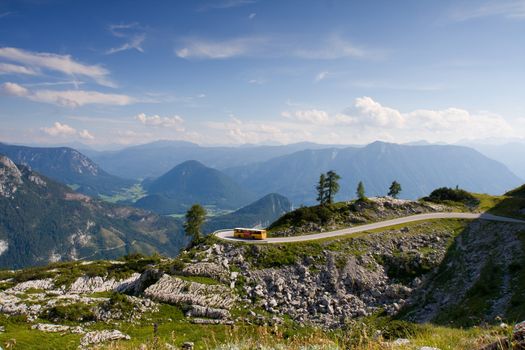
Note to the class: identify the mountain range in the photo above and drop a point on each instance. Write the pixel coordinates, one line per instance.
(511, 154)
(189, 183)
(67, 166)
(419, 169)
(43, 221)
(156, 158)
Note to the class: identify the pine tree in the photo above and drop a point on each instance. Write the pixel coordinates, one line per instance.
(332, 185)
(395, 189)
(321, 189)
(195, 217)
(361, 191)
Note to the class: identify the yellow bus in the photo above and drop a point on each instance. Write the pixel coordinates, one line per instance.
(249, 233)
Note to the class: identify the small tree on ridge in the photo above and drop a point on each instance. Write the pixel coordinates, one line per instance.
(195, 217)
(395, 189)
(361, 191)
(332, 185)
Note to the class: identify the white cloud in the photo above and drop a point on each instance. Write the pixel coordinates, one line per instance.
(7, 68)
(65, 131)
(77, 98)
(256, 81)
(175, 122)
(252, 15)
(367, 120)
(210, 49)
(237, 131)
(370, 112)
(329, 48)
(59, 129)
(226, 4)
(334, 47)
(312, 116)
(134, 43)
(86, 135)
(512, 9)
(133, 35)
(14, 89)
(67, 98)
(321, 76)
(60, 63)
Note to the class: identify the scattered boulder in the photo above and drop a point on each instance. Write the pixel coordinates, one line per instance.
(187, 346)
(97, 337)
(57, 328)
(208, 312)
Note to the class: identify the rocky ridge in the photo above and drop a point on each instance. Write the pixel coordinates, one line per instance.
(348, 214)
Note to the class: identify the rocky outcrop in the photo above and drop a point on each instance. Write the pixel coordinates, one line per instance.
(174, 290)
(138, 285)
(86, 284)
(10, 177)
(42, 284)
(57, 328)
(208, 312)
(98, 337)
(207, 269)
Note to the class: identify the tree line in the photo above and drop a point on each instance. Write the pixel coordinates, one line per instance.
(328, 186)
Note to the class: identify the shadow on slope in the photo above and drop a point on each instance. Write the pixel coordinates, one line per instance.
(482, 277)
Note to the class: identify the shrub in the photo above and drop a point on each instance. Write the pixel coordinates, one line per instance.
(120, 302)
(76, 312)
(450, 194)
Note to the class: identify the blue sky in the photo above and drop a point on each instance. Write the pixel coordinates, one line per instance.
(248, 71)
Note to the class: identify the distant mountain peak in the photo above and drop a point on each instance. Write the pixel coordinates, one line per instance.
(192, 182)
(66, 165)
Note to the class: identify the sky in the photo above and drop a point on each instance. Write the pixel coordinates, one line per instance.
(229, 72)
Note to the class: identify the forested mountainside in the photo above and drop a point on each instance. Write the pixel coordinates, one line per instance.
(42, 221)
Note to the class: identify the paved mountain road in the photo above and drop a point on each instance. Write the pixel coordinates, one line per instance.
(228, 234)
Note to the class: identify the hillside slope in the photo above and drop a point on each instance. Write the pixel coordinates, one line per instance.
(42, 221)
(360, 291)
(189, 183)
(67, 166)
(419, 169)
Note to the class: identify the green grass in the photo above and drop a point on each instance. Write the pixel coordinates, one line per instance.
(199, 279)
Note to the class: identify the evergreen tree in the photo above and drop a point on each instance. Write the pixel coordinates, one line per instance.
(332, 185)
(195, 217)
(361, 191)
(395, 189)
(321, 189)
